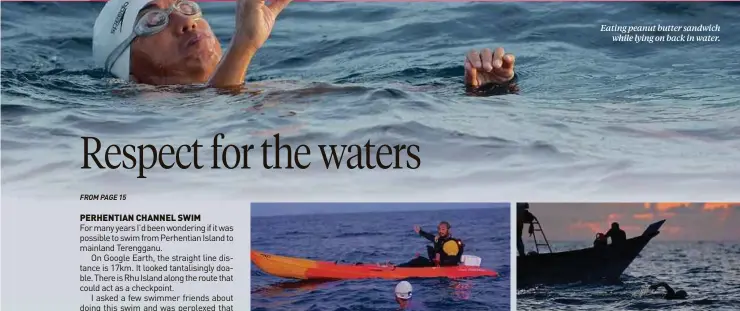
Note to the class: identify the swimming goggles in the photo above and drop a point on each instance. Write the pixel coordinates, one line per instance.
(152, 22)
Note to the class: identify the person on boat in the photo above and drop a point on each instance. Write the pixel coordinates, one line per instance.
(600, 241)
(670, 293)
(446, 251)
(524, 216)
(617, 235)
(169, 42)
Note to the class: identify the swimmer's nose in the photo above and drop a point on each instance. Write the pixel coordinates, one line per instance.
(184, 24)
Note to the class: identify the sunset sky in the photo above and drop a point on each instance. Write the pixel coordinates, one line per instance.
(275, 209)
(685, 221)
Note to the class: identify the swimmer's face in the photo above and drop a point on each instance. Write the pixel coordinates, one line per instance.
(402, 303)
(185, 52)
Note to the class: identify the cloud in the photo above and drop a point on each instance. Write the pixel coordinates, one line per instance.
(672, 230)
(671, 209)
(632, 230)
(714, 206)
(613, 217)
(592, 226)
(724, 210)
(686, 221)
(667, 206)
(644, 216)
(601, 226)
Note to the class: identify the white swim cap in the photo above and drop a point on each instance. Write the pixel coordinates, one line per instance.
(115, 24)
(403, 290)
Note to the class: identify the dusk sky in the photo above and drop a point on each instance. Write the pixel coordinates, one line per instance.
(685, 221)
(272, 209)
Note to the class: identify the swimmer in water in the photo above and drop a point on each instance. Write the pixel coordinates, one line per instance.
(403, 294)
(169, 42)
(670, 293)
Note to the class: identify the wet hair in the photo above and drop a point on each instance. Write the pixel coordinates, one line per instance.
(681, 293)
(615, 225)
(447, 224)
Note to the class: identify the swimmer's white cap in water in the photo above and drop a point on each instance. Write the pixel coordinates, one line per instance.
(403, 290)
(114, 25)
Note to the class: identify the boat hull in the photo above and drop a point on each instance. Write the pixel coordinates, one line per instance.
(584, 265)
(305, 269)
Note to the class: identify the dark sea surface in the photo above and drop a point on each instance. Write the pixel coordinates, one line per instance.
(594, 118)
(708, 271)
(377, 238)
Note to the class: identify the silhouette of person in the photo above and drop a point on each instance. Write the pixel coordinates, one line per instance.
(670, 293)
(617, 235)
(523, 216)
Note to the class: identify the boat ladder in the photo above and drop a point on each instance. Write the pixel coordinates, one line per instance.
(537, 244)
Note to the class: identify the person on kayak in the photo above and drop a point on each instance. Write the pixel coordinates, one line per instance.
(670, 293)
(447, 251)
(618, 236)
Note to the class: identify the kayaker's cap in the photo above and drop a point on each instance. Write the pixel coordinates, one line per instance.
(403, 290)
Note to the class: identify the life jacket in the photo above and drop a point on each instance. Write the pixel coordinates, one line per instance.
(452, 251)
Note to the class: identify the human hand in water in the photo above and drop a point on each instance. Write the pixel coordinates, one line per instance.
(486, 67)
(255, 20)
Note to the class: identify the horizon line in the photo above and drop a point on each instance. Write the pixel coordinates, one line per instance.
(413, 207)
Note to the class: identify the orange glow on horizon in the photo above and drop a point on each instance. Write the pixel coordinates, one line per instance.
(666, 206)
(613, 217)
(595, 227)
(686, 220)
(714, 206)
(645, 216)
(671, 230)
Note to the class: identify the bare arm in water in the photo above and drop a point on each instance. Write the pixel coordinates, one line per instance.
(668, 289)
(670, 293)
(487, 72)
(254, 22)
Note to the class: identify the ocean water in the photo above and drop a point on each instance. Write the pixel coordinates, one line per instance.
(380, 237)
(708, 271)
(593, 118)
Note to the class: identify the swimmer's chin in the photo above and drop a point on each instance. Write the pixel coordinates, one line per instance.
(208, 56)
(202, 66)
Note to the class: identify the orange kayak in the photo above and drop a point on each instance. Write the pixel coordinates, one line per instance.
(305, 269)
